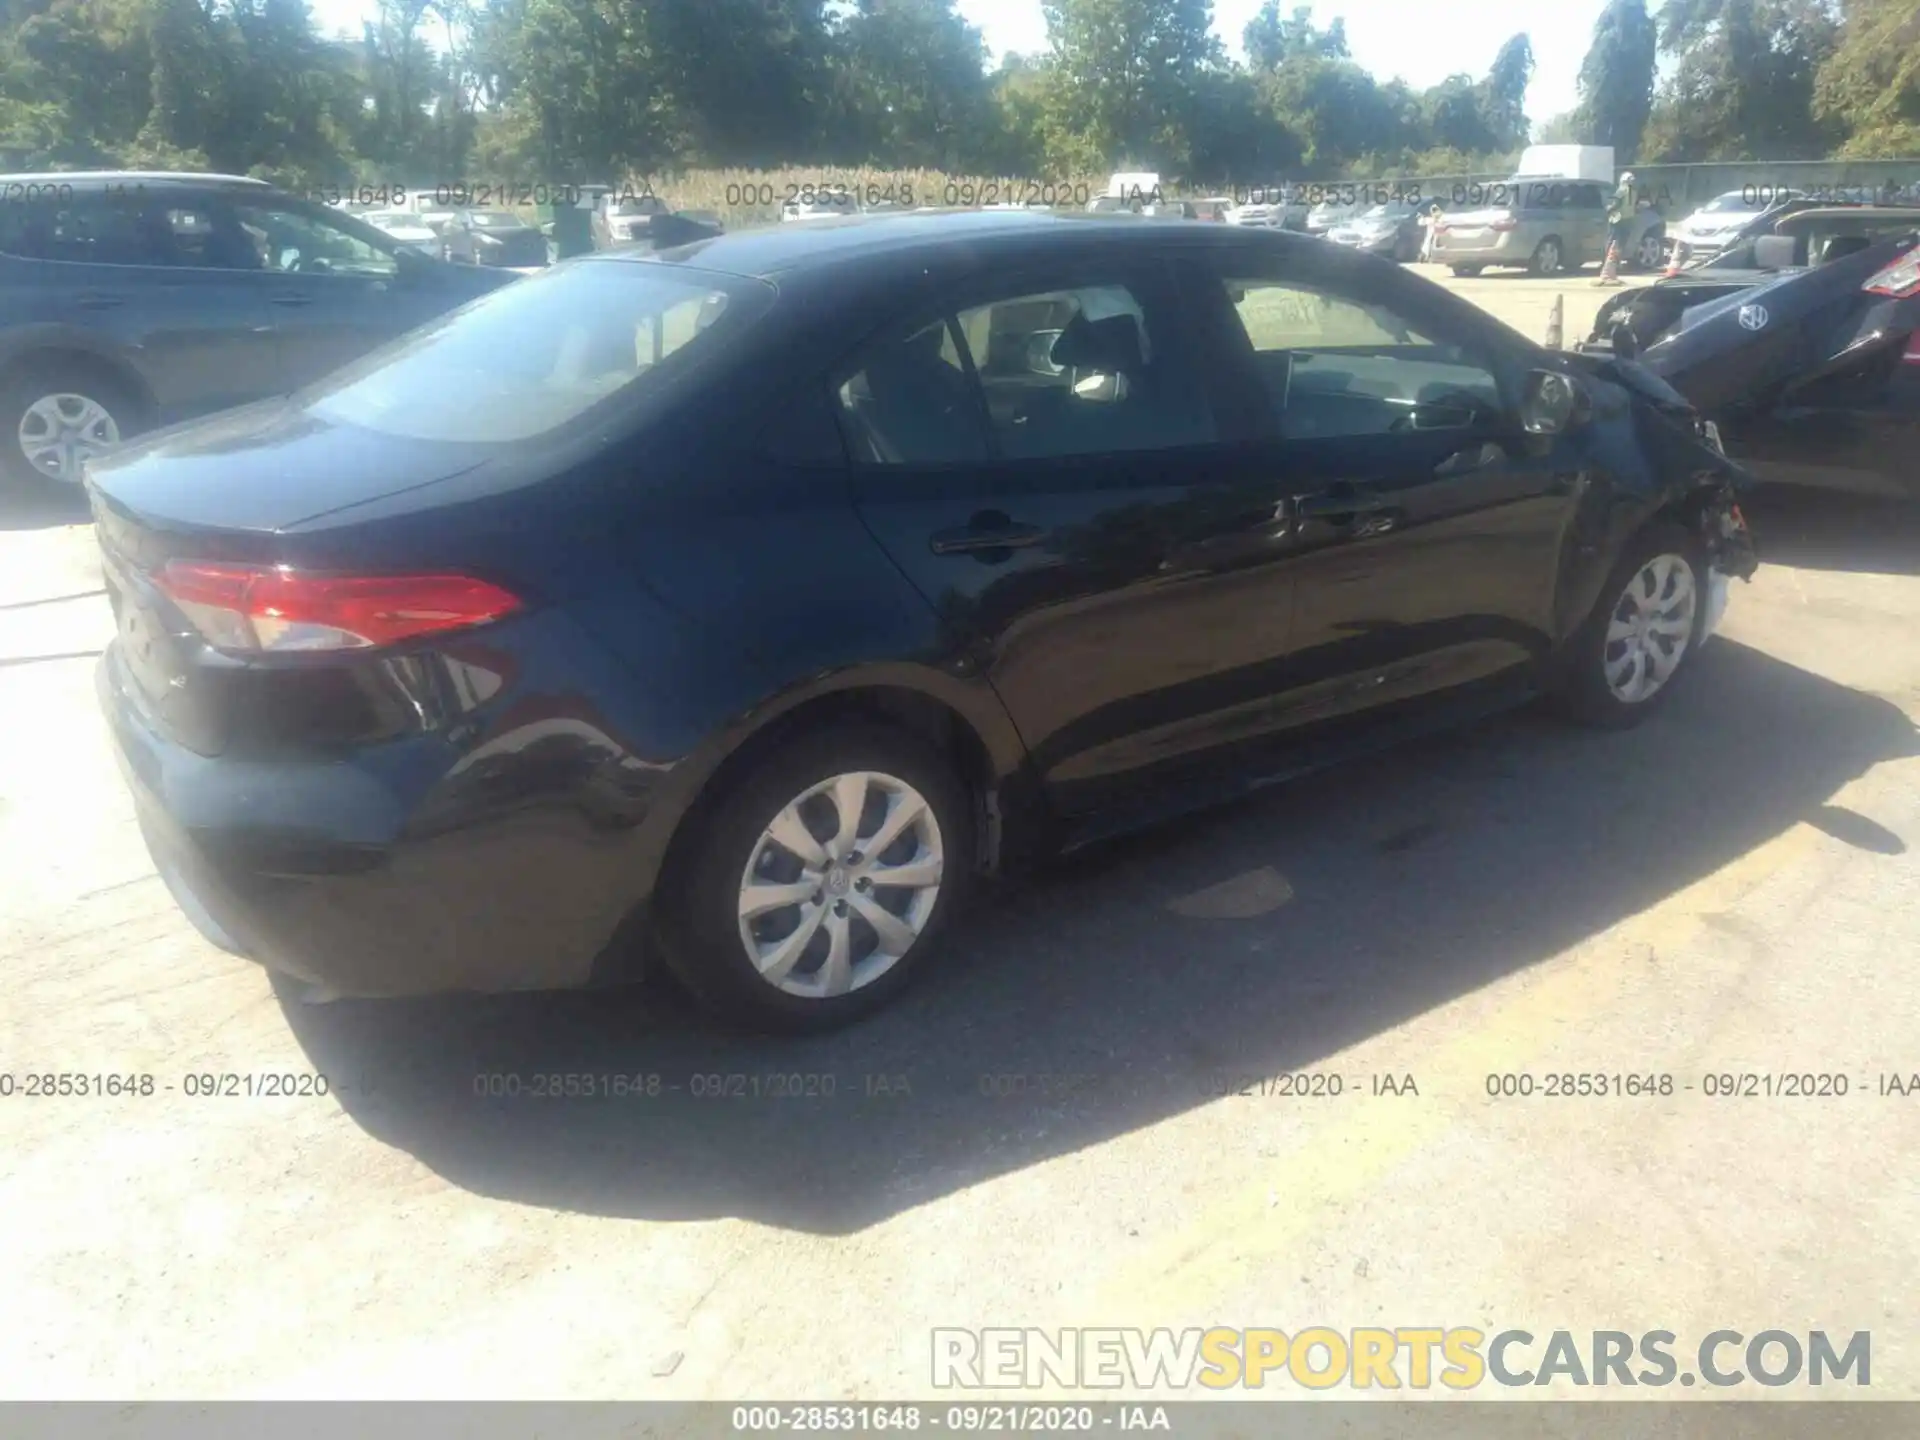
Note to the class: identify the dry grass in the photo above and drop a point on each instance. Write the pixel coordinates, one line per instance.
(744, 198)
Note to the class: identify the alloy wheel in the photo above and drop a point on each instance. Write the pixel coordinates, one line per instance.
(59, 433)
(1546, 260)
(840, 884)
(1651, 252)
(1650, 629)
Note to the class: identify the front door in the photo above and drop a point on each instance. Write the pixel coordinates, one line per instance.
(334, 295)
(1427, 526)
(1040, 458)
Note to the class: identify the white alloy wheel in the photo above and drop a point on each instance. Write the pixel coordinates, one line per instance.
(1650, 628)
(840, 884)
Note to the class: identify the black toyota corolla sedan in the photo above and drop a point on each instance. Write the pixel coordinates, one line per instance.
(744, 602)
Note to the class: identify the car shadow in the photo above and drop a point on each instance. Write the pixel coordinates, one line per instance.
(1089, 1002)
(1828, 530)
(41, 507)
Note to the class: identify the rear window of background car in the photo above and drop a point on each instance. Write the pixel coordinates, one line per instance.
(89, 228)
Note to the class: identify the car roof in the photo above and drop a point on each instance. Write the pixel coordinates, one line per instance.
(89, 178)
(1857, 214)
(830, 242)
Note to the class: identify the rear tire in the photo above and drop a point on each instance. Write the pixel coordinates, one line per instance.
(1548, 258)
(1467, 272)
(1620, 668)
(844, 964)
(57, 412)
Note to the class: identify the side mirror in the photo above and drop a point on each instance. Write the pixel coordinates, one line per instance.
(1554, 403)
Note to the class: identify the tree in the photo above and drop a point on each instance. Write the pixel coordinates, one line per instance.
(1504, 96)
(1870, 85)
(1124, 78)
(1617, 79)
(1272, 39)
(1742, 88)
(913, 85)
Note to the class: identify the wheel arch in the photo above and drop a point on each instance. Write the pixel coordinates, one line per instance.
(964, 722)
(34, 352)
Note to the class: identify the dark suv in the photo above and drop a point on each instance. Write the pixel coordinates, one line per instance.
(130, 300)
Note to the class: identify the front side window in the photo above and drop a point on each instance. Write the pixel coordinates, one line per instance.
(300, 242)
(1334, 366)
(532, 356)
(1078, 371)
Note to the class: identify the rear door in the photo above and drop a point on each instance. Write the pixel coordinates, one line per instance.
(1427, 527)
(1040, 456)
(125, 265)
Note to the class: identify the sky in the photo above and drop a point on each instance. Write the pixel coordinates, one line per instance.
(1421, 41)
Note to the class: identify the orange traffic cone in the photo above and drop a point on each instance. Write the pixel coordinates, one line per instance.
(1676, 260)
(1610, 268)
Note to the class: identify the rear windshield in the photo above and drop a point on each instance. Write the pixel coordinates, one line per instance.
(538, 353)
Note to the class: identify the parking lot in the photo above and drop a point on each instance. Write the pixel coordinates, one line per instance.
(1038, 1135)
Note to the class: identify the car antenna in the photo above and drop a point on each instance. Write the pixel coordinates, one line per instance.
(1556, 322)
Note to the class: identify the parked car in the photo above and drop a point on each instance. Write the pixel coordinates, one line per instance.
(1547, 226)
(492, 237)
(1277, 207)
(1328, 214)
(1392, 230)
(134, 299)
(820, 207)
(1723, 219)
(1802, 236)
(485, 656)
(1813, 374)
(405, 227)
(622, 218)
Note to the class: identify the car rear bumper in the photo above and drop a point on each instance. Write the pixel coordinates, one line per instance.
(319, 870)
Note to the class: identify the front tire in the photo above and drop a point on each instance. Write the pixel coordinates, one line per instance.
(1622, 664)
(819, 884)
(1651, 252)
(1467, 272)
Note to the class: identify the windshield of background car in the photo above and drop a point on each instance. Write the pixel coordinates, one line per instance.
(496, 220)
(539, 353)
(1738, 202)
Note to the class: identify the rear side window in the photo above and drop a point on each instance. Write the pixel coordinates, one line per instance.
(536, 354)
(1077, 371)
(85, 227)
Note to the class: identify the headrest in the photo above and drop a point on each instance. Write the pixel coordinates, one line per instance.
(1110, 346)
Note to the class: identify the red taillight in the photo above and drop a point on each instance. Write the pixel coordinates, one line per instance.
(1507, 223)
(251, 608)
(1900, 279)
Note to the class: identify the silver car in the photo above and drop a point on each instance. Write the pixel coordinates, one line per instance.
(1544, 225)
